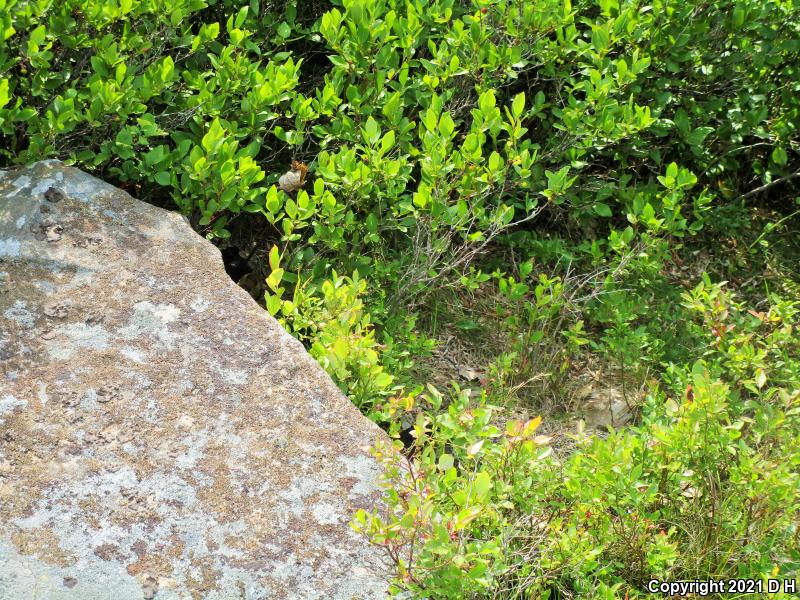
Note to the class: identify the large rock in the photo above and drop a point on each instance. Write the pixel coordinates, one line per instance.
(160, 434)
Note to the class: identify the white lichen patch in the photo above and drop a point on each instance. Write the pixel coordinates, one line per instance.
(195, 449)
(220, 533)
(43, 185)
(171, 489)
(232, 376)
(8, 404)
(45, 286)
(364, 470)
(23, 576)
(151, 320)
(134, 354)
(88, 401)
(81, 277)
(20, 315)
(21, 182)
(185, 386)
(301, 489)
(299, 574)
(73, 337)
(326, 514)
(42, 392)
(199, 304)
(9, 247)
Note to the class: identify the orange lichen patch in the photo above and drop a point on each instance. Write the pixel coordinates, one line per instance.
(137, 568)
(108, 552)
(43, 544)
(222, 497)
(200, 586)
(90, 506)
(159, 562)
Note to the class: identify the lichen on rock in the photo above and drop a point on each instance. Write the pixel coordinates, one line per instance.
(161, 436)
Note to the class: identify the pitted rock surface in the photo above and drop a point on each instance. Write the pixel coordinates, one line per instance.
(161, 436)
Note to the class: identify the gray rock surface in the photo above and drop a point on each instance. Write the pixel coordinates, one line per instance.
(161, 436)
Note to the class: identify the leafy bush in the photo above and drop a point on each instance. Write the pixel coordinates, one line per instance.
(706, 487)
(332, 321)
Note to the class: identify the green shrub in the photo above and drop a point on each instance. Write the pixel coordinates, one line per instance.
(425, 125)
(706, 487)
(332, 322)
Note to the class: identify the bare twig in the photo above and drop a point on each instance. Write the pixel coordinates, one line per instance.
(769, 185)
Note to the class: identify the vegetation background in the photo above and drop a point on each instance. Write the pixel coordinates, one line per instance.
(513, 210)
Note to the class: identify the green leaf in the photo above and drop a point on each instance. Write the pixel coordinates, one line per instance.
(446, 125)
(241, 16)
(486, 102)
(699, 135)
(273, 201)
(672, 170)
(291, 208)
(214, 137)
(779, 156)
(38, 35)
(274, 279)
(4, 96)
(446, 461)
(481, 486)
(372, 223)
(602, 209)
(761, 378)
(391, 109)
(273, 304)
(340, 348)
(274, 258)
(175, 17)
(518, 105)
(738, 17)
(387, 141)
(600, 38)
(372, 132)
(284, 30)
